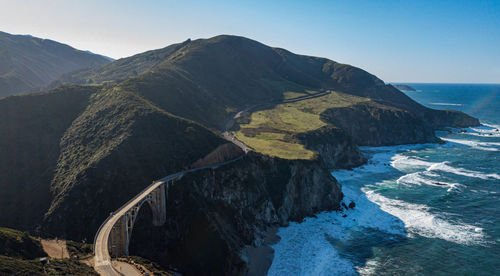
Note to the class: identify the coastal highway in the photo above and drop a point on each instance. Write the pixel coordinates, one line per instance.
(102, 259)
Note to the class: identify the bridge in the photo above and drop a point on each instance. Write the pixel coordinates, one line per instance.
(114, 234)
(113, 237)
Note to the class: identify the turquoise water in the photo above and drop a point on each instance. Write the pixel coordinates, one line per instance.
(420, 209)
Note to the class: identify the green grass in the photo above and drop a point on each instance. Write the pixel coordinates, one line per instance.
(272, 131)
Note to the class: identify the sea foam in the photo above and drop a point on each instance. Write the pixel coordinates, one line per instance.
(489, 146)
(417, 219)
(443, 166)
(315, 246)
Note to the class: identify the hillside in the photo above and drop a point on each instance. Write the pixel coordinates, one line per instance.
(220, 75)
(28, 63)
(72, 155)
(20, 253)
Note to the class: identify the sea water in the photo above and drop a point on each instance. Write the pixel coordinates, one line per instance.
(420, 209)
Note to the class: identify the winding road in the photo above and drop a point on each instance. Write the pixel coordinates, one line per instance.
(102, 259)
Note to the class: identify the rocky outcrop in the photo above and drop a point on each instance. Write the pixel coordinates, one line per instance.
(371, 124)
(214, 213)
(336, 149)
(450, 118)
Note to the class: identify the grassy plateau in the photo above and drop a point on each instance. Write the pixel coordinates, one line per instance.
(272, 131)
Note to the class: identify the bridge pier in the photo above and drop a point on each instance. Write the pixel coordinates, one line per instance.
(122, 230)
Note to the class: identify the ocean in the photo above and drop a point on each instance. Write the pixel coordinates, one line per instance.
(420, 209)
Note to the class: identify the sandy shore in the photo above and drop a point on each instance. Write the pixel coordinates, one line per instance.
(260, 258)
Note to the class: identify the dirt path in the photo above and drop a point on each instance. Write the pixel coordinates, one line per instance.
(55, 248)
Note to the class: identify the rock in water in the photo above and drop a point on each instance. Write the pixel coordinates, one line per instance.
(352, 204)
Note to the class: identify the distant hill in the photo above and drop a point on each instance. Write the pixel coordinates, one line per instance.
(404, 87)
(28, 63)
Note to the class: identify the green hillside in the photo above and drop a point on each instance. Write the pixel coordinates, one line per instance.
(20, 253)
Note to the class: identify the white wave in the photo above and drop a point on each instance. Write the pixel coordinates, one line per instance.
(451, 104)
(485, 130)
(488, 146)
(424, 178)
(381, 160)
(402, 162)
(460, 171)
(419, 220)
(304, 248)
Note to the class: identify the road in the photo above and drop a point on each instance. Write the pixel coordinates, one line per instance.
(102, 260)
(229, 123)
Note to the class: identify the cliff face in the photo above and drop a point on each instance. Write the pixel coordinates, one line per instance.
(335, 147)
(377, 125)
(214, 213)
(450, 118)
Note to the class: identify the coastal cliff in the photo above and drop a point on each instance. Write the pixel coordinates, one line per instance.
(377, 125)
(336, 149)
(213, 214)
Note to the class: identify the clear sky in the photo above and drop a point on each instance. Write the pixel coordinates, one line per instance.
(399, 41)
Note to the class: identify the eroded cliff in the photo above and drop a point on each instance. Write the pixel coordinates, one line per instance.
(212, 214)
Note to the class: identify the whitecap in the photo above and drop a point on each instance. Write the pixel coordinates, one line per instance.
(443, 166)
(488, 146)
(403, 163)
(419, 220)
(305, 250)
(485, 130)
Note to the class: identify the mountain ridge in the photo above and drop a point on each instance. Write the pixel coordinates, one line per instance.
(28, 63)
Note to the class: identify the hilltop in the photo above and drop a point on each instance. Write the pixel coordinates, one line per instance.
(28, 63)
(73, 154)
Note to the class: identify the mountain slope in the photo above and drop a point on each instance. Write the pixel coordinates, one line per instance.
(28, 63)
(216, 76)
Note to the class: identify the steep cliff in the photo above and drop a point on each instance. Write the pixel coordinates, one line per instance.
(377, 125)
(212, 214)
(335, 147)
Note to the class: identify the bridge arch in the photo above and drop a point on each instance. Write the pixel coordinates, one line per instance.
(121, 232)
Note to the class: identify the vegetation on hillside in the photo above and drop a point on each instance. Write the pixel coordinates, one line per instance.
(30, 132)
(20, 253)
(17, 244)
(273, 131)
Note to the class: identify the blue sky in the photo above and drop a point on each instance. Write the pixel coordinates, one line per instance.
(399, 41)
